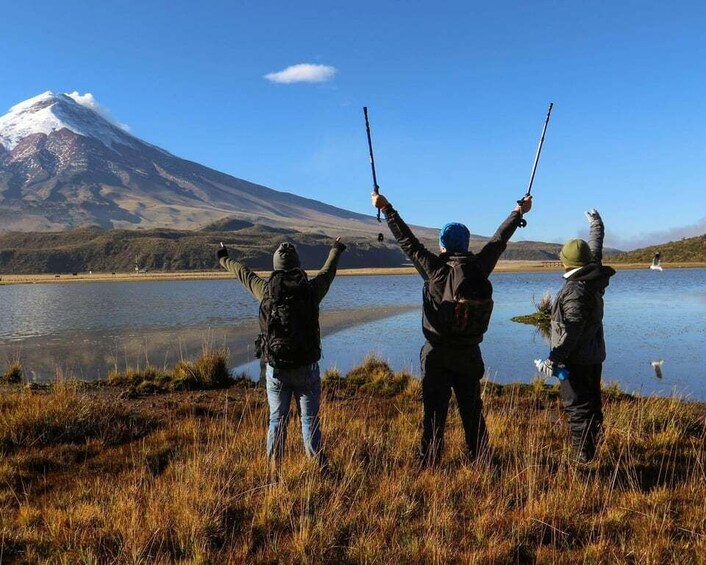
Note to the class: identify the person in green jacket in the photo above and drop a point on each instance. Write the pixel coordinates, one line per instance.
(290, 340)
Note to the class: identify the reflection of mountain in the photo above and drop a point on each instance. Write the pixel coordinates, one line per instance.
(63, 165)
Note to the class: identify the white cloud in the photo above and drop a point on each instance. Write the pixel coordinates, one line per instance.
(89, 101)
(303, 72)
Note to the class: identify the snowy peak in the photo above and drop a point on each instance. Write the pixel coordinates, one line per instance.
(51, 112)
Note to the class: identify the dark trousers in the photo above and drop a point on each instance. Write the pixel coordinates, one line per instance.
(581, 399)
(445, 369)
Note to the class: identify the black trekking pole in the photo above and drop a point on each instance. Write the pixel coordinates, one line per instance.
(523, 222)
(376, 188)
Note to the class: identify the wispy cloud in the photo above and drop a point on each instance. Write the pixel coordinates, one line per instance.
(90, 102)
(303, 72)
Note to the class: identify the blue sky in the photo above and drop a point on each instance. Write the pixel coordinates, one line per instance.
(457, 92)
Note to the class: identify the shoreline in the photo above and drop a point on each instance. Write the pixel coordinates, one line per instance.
(502, 267)
(91, 356)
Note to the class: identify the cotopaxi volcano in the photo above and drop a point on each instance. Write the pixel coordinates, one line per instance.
(63, 165)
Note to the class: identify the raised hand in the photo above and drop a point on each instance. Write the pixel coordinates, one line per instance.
(592, 215)
(222, 252)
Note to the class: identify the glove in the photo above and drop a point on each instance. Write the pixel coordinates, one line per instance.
(338, 244)
(592, 215)
(380, 202)
(549, 369)
(545, 367)
(524, 204)
(222, 252)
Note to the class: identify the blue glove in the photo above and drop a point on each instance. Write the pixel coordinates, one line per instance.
(549, 369)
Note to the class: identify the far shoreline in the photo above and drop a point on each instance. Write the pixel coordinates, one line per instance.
(508, 266)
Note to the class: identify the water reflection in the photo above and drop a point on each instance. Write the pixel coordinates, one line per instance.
(87, 329)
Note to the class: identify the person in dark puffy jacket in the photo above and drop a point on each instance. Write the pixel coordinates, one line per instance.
(577, 341)
(457, 304)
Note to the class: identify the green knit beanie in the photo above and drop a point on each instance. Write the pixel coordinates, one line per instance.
(576, 253)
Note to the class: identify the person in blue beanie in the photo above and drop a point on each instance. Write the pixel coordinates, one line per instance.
(457, 305)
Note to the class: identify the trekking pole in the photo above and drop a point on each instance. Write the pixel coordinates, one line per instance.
(523, 222)
(376, 188)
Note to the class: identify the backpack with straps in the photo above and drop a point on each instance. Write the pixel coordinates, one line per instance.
(289, 322)
(466, 303)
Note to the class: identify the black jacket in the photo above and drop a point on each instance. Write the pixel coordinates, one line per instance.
(435, 270)
(577, 312)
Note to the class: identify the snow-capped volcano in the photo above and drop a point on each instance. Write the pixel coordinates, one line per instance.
(51, 112)
(63, 164)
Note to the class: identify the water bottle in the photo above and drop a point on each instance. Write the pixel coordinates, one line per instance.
(561, 373)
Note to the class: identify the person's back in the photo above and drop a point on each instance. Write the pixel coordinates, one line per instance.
(457, 302)
(457, 305)
(581, 297)
(290, 336)
(290, 340)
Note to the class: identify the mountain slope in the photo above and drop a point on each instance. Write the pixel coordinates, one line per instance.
(63, 165)
(118, 250)
(688, 250)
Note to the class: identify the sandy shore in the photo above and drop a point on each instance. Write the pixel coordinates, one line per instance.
(503, 267)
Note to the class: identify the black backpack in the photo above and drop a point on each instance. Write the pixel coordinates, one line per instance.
(289, 322)
(466, 303)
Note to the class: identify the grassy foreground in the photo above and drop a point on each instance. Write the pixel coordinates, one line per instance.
(90, 476)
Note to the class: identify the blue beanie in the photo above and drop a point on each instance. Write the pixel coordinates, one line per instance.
(454, 238)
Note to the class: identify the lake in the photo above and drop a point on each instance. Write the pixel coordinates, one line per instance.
(87, 329)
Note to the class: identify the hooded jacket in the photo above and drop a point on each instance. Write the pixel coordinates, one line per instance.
(436, 269)
(577, 312)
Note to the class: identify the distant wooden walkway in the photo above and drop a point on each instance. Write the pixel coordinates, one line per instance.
(551, 264)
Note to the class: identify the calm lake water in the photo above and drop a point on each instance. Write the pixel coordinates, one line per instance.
(86, 329)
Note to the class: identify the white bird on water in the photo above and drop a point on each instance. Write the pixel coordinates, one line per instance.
(657, 366)
(656, 262)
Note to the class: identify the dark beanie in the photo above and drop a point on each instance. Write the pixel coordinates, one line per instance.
(576, 253)
(286, 258)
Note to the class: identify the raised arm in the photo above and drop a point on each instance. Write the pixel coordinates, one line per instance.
(424, 260)
(322, 281)
(255, 285)
(595, 237)
(491, 252)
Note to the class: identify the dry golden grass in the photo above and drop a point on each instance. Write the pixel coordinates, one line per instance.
(187, 481)
(209, 370)
(13, 373)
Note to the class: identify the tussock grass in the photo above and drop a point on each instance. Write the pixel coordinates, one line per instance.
(198, 488)
(541, 317)
(373, 376)
(13, 374)
(208, 371)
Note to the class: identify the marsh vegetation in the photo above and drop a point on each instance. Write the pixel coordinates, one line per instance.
(87, 476)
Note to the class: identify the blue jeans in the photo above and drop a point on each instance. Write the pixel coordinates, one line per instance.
(304, 383)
